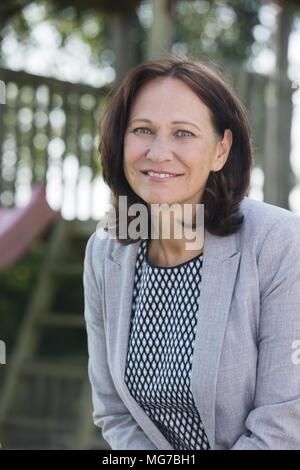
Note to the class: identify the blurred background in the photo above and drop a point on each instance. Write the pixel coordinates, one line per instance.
(58, 60)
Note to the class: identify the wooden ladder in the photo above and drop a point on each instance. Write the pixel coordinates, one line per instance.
(45, 400)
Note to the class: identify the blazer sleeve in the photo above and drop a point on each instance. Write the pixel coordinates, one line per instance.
(274, 422)
(119, 428)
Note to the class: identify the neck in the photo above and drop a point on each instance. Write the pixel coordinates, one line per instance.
(172, 239)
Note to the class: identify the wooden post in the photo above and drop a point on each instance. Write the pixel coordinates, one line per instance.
(161, 32)
(123, 41)
(277, 169)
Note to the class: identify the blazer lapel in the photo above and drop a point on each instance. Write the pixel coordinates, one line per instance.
(219, 270)
(119, 278)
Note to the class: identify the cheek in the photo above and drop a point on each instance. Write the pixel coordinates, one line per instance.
(127, 151)
(194, 158)
(131, 156)
(127, 162)
(201, 156)
(133, 149)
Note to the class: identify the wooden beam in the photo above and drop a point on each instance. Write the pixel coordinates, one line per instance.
(161, 33)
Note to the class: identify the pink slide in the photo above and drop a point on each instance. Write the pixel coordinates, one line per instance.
(20, 226)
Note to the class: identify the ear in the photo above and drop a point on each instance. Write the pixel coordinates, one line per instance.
(223, 149)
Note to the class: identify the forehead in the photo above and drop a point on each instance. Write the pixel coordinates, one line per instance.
(168, 96)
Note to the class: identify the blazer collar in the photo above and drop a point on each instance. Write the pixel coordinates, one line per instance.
(219, 270)
(216, 248)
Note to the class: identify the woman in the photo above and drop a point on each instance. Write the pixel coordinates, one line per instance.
(191, 349)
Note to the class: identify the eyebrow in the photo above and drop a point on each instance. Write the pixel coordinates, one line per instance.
(172, 122)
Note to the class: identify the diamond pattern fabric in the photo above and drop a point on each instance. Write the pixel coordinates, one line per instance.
(161, 344)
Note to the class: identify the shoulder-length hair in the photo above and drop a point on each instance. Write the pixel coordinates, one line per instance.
(225, 188)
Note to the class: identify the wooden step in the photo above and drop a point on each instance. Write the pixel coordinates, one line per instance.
(55, 369)
(61, 320)
(84, 228)
(46, 388)
(38, 424)
(62, 268)
(40, 248)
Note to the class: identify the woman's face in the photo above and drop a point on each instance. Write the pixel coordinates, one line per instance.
(170, 131)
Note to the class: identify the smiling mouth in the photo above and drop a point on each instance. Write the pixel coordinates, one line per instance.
(152, 175)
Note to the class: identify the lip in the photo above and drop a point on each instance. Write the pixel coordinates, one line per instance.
(160, 171)
(160, 180)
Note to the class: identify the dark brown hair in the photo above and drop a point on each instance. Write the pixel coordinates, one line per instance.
(225, 188)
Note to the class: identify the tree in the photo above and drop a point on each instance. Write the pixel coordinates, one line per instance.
(118, 21)
(222, 30)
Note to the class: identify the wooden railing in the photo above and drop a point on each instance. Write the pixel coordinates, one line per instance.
(49, 133)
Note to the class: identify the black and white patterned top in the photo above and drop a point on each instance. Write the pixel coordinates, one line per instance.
(161, 345)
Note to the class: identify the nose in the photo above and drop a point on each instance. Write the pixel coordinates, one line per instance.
(159, 150)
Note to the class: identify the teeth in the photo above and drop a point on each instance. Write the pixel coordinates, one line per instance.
(160, 175)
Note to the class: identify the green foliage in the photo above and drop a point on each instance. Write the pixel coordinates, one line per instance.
(221, 30)
(88, 26)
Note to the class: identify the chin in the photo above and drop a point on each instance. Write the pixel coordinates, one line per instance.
(159, 199)
(160, 202)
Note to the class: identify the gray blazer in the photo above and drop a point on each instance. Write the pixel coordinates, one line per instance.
(246, 366)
